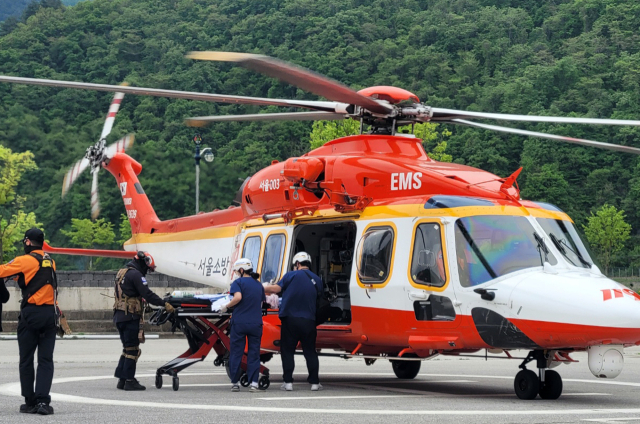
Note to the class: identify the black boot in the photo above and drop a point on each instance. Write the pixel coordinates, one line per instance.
(133, 384)
(44, 409)
(28, 409)
(120, 385)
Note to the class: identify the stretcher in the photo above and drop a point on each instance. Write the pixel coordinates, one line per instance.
(205, 330)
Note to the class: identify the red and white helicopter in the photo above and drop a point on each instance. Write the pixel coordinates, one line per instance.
(420, 257)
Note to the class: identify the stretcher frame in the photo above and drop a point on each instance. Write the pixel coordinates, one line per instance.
(205, 330)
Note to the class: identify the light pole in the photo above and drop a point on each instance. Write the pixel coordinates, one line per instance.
(208, 156)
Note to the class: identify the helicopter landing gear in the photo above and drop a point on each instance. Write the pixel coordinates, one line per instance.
(406, 370)
(547, 384)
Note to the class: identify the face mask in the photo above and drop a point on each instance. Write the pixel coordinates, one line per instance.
(29, 249)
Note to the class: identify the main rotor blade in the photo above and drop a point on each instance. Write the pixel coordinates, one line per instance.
(95, 201)
(582, 142)
(202, 121)
(440, 114)
(73, 173)
(111, 116)
(297, 76)
(190, 95)
(120, 146)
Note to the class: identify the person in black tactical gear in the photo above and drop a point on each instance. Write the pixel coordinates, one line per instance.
(130, 290)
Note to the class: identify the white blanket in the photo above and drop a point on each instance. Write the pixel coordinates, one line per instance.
(223, 300)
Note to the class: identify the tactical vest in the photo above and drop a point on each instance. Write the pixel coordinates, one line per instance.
(129, 305)
(45, 275)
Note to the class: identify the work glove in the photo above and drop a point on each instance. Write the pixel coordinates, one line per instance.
(169, 308)
(224, 309)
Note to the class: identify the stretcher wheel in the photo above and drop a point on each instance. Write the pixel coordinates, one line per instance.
(217, 362)
(244, 380)
(158, 381)
(176, 384)
(264, 382)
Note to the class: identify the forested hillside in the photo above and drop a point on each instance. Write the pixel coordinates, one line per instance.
(561, 57)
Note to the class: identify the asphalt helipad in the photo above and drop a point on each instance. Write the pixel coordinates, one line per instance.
(447, 390)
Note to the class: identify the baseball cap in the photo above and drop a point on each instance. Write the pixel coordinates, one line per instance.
(35, 235)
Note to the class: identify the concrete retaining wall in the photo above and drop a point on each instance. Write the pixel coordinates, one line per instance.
(88, 295)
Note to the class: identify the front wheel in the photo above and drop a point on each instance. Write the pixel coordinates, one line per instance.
(176, 384)
(552, 387)
(406, 370)
(526, 385)
(158, 381)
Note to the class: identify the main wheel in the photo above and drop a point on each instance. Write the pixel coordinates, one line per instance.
(244, 380)
(176, 384)
(158, 381)
(552, 387)
(526, 384)
(406, 370)
(264, 382)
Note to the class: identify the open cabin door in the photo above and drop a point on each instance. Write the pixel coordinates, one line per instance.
(331, 247)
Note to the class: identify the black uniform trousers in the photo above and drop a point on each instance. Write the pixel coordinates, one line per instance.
(129, 336)
(36, 330)
(301, 330)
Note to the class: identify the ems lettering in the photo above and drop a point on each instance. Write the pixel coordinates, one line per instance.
(131, 214)
(127, 201)
(406, 181)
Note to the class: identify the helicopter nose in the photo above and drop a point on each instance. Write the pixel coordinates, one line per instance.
(576, 310)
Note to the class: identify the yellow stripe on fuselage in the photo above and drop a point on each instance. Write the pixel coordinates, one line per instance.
(370, 213)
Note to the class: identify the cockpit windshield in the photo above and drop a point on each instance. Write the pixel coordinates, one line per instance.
(490, 246)
(566, 239)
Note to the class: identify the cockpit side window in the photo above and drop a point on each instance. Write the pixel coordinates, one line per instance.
(488, 247)
(427, 263)
(374, 255)
(272, 260)
(251, 250)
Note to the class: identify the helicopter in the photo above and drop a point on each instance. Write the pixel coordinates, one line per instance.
(420, 258)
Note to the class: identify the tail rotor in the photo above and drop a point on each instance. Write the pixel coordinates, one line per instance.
(97, 155)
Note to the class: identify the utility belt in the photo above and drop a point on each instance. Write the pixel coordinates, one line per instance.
(129, 305)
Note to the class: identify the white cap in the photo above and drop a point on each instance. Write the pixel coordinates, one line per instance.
(301, 257)
(242, 263)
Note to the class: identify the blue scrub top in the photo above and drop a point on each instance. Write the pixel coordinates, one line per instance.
(249, 310)
(299, 294)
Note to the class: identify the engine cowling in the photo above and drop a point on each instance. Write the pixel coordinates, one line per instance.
(606, 361)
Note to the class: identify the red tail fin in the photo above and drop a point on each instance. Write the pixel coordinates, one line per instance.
(141, 215)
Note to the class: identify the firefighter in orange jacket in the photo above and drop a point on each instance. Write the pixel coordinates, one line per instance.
(37, 323)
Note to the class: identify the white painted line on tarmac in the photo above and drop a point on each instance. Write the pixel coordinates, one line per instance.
(13, 389)
(206, 385)
(289, 398)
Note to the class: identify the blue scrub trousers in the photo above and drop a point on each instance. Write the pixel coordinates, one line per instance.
(240, 334)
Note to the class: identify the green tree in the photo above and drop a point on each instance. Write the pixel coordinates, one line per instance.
(12, 231)
(125, 229)
(13, 219)
(325, 131)
(607, 232)
(88, 234)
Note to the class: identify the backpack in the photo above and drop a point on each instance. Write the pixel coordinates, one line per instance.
(322, 303)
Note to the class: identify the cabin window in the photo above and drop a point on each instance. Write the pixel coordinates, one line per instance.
(272, 259)
(251, 250)
(488, 247)
(376, 248)
(427, 263)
